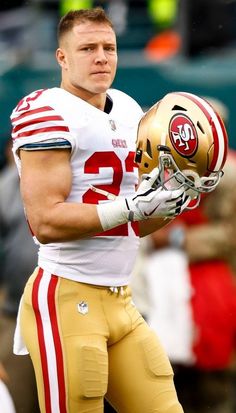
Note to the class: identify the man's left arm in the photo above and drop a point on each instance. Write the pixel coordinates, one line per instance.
(151, 225)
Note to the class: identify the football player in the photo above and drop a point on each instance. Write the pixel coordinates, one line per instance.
(74, 146)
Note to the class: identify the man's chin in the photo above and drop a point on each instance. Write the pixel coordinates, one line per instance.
(102, 88)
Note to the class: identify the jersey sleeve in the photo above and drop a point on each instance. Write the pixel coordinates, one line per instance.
(37, 125)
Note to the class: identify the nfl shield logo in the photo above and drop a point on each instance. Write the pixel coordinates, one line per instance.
(83, 307)
(112, 124)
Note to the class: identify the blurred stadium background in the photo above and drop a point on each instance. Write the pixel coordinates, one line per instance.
(164, 45)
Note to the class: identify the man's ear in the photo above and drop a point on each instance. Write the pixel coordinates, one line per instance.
(61, 58)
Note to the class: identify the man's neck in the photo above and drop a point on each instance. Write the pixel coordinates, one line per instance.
(97, 100)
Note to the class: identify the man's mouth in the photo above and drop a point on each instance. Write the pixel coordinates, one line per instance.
(100, 73)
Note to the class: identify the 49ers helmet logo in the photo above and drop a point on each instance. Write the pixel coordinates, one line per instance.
(183, 135)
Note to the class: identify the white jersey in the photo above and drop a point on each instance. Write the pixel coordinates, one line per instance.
(102, 155)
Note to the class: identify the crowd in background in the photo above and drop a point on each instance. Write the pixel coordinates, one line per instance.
(185, 26)
(170, 282)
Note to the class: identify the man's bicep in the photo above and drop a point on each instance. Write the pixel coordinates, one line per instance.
(45, 179)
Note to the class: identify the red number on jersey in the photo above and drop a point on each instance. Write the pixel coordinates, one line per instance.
(24, 103)
(109, 159)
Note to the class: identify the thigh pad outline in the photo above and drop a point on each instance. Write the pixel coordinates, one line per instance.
(156, 359)
(87, 370)
(94, 371)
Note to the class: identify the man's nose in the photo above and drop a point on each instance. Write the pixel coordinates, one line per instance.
(101, 55)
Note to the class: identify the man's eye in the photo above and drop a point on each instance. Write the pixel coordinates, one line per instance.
(110, 48)
(87, 48)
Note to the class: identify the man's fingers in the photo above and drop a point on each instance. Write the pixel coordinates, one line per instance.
(186, 201)
(176, 206)
(152, 177)
(176, 193)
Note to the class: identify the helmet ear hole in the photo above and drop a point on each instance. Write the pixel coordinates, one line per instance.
(149, 148)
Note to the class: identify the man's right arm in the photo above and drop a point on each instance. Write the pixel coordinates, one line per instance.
(45, 186)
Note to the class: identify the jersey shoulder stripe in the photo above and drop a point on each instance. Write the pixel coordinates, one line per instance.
(31, 123)
(43, 130)
(31, 112)
(22, 125)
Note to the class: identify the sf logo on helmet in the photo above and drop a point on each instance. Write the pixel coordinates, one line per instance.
(183, 135)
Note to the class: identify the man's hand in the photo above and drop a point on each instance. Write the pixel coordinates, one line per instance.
(153, 201)
(150, 201)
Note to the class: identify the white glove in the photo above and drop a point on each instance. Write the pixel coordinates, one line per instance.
(150, 201)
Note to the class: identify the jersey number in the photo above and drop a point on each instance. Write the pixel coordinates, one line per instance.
(24, 103)
(109, 159)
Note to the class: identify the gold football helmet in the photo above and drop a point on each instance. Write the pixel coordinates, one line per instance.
(186, 138)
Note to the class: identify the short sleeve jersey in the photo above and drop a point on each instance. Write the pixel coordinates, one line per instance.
(102, 156)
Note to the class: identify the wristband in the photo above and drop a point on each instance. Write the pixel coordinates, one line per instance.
(113, 214)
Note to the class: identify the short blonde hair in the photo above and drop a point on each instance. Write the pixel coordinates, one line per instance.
(73, 17)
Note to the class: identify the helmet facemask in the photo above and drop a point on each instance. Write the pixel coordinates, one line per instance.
(171, 177)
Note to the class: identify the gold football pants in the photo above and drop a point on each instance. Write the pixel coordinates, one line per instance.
(89, 342)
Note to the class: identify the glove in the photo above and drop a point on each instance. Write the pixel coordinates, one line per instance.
(153, 201)
(150, 201)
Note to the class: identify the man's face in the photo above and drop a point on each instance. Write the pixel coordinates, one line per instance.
(88, 58)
